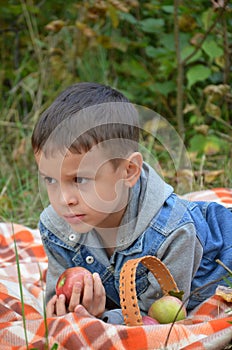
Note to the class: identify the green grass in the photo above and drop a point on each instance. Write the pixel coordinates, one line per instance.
(19, 197)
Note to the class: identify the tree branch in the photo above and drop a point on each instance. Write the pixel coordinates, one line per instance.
(221, 11)
(180, 78)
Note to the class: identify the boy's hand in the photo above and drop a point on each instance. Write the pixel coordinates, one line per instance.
(93, 295)
(93, 298)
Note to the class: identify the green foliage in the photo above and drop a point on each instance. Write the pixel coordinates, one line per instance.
(131, 45)
(197, 73)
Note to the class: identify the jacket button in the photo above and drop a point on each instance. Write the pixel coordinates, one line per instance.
(72, 237)
(89, 259)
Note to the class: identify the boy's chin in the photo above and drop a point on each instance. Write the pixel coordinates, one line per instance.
(81, 228)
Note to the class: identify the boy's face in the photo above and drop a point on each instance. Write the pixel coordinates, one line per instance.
(85, 189)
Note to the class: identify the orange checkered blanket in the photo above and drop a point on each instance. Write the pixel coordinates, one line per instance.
(23, 326)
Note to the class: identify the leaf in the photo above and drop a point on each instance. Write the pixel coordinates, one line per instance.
(178, 295)
(155, 52)
(197, 143)
(202, 129)
(151, 51)
(207, 18)
(55, 26)
(187, 23)
(213, 109)
(187, 51)
(163, 88)
(113, 14)
(10, 10)
(167, 41)
(150, 25)
(212, 145)
(134, 68)
(220, 61)
(212, 49)
(195, 118)
(128, 17)
(210, 176)
(209, 145)
(217, 90)
(109, 42)
(189, 108)
(197, 73)
(55, 346)
(168, 9)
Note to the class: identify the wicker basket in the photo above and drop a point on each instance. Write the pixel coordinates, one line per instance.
(128, 297)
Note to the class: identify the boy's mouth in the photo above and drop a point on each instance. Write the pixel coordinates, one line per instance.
(74, 218)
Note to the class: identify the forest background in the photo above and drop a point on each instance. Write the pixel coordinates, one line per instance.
(173, 57)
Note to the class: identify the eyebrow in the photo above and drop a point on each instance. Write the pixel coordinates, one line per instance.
(82, 174)
(87, 173)
(41, 173)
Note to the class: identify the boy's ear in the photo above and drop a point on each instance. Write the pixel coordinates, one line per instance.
(133, 168)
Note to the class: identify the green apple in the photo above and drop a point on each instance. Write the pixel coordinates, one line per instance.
(165, 309)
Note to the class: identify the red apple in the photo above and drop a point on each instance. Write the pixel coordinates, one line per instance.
(165, 309)
(147, 320)
(67, 279)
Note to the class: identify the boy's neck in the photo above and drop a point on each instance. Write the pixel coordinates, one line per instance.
(109, 252)
(108, 235)
(108, 239)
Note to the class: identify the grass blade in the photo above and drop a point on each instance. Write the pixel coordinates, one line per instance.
(20, 288)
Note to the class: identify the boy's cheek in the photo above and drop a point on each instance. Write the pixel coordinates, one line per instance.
(111, 192)
(104, 202)
(54, 200)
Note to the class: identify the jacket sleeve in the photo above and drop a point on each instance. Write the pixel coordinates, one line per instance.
(181, 253)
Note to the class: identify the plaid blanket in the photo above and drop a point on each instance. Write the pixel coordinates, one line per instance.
(220, 195)
(23, 324)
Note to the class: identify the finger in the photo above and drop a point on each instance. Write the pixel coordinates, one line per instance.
(76, 296)
(51, 307)
(99, 290)
(82, 312)
(60, 305)
(99, 295)
(87, 298)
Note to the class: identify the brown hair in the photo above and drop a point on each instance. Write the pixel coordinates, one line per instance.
(86, 114)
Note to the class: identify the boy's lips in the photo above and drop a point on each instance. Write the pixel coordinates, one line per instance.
(74, 218)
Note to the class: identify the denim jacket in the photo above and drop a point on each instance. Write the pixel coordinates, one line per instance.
(187, 236)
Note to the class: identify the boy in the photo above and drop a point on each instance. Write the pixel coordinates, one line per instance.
(108, 206)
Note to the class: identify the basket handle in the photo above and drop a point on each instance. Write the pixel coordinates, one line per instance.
(127, 289)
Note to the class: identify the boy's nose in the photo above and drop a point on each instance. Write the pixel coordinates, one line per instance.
(68, 196)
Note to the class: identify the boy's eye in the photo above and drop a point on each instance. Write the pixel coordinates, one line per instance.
(81, 180)
(49, 180)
